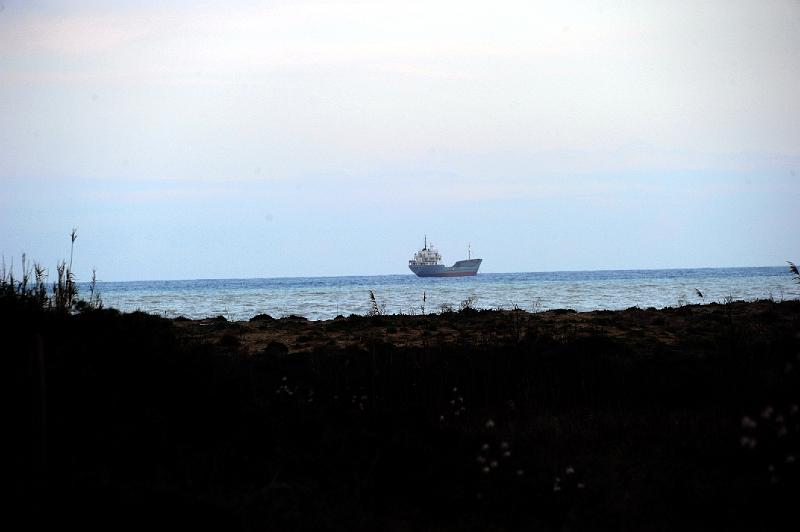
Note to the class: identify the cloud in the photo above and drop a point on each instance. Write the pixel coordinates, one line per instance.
(303, 86)
(152, 43)
(71, 35)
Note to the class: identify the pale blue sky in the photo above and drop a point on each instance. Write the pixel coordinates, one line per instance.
(259, 139)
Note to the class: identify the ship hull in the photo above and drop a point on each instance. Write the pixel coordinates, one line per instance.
(462, 268)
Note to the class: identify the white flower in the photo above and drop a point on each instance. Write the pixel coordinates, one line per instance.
(490, 424)
(748, 423)
(569, 470)
(485, 447)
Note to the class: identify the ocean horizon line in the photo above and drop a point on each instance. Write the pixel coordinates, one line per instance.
(411, 275)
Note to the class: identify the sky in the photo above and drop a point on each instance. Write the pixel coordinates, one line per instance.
(241, 139)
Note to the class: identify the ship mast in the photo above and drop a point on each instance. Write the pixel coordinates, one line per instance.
(469, 251)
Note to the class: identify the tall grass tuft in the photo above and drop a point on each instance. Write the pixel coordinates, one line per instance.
(31, 288)
(375, 309)
(794, 271)
(699, 294)
(64, 291)
(468, 303)
(72, 236)
(94, 293)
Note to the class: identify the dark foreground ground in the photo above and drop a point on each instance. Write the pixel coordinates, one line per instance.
(674, 419)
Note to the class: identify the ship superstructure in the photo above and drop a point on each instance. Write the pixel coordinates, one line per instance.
(427, 262)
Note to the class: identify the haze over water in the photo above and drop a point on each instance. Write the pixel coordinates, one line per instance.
(326, 297)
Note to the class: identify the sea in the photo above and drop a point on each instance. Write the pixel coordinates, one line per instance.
(322, 298)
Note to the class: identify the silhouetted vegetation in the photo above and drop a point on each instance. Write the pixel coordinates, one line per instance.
(465, 420)
(30, 287)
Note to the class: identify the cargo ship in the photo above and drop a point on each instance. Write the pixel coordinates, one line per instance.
(427, 262)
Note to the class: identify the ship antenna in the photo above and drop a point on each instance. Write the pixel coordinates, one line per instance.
(426, 242)
(469, 251)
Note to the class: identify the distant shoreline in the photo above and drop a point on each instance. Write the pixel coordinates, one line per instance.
(453, 328)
